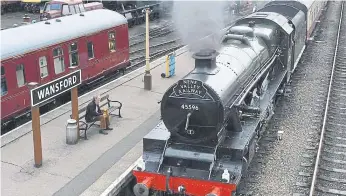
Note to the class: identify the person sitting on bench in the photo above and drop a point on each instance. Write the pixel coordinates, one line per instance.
(94, 113)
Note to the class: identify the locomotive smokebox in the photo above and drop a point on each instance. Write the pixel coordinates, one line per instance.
(205, 58)
(190, 109)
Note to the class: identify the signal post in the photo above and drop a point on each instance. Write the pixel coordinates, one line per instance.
(44, 93)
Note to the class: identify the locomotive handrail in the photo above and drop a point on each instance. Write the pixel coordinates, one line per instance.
(271, 61)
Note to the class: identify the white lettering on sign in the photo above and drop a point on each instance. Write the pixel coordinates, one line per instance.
(192, 87)
(189, 107)
(56, 87)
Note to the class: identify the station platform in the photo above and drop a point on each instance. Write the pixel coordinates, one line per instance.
(90, 166)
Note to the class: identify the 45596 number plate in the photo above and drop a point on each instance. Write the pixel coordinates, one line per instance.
(189, 107)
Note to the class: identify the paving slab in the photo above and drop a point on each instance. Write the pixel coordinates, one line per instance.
(74, 169)
(98, 187)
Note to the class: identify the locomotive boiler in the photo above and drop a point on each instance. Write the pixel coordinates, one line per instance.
(213, 117)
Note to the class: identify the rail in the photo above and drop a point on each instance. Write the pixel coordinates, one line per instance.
(323, 131)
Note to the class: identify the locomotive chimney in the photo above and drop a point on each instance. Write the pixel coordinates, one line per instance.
(205, 58)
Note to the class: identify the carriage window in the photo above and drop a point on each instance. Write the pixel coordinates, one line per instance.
(90, 47)
(77, 8)
(73, 54)
(81, 7)
(65, 10)
(3, 87)
(72, 10)
(58, 57)
(111, 41)
(2, 70)
(43, 66)
(20, 73)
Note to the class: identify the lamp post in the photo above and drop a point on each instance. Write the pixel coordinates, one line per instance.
(147, 75)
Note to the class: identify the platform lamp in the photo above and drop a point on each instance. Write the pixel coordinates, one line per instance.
(147, 75)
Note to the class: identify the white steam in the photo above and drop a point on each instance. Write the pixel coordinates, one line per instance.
(196, 19)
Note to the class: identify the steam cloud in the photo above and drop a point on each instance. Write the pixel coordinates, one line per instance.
(196, 19)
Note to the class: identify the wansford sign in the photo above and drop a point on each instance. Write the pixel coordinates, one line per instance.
(56, 87)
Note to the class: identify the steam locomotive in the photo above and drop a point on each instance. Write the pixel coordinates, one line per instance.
(213, 117)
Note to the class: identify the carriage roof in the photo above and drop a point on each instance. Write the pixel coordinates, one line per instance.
(27, 38)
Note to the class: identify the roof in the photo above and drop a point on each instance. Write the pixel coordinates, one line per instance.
(27, 38)
(276, 18)
(307, 3)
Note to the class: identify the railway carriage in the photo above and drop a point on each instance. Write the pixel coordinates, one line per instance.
(97, 42)
(213, 118)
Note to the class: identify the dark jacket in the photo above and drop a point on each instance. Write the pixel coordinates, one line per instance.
(91, 111)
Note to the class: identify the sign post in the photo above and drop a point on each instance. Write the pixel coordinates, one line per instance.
(36, 131)
(46, 92)
(74, 104)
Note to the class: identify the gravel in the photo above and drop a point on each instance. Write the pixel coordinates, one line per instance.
(280, 165)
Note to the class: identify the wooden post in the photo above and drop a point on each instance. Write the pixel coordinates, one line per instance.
(36, 129)
(74, 102)
(66, 83)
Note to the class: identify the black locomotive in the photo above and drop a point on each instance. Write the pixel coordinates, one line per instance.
(213, 117)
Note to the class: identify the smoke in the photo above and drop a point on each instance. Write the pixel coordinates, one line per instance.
(196, 19)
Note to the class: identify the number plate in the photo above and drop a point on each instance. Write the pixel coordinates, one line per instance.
(189, 107)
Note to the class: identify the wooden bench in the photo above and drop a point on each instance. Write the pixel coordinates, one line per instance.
(104, 101)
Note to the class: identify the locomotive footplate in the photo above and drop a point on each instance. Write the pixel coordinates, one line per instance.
(179, 185)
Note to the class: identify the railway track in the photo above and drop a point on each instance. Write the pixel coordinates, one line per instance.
(278, 171)
(329, 177)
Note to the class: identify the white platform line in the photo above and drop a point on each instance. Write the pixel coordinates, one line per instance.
(110, 191)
